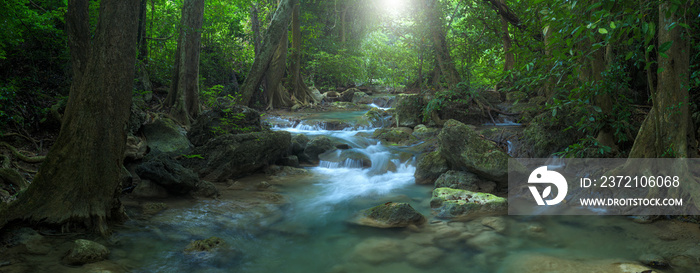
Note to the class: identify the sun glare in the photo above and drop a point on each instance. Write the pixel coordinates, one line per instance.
(394, 7)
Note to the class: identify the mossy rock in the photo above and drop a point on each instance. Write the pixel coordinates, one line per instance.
(317, 146)
(409, 109)
(86, 251)
(164, 135)
(465, 150)
(458, 180)
(430, 167)
(456, 203)
(390, 215)
(400, 135)
(376, 117)
(209, 244)
(423, 132)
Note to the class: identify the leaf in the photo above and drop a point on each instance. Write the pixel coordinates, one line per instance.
(597, 109)
(591, 119)
(629, 56)
(650, 48)
(546, 191)
(603, 31)
(645, 27)
(665, 46)
(612, 25)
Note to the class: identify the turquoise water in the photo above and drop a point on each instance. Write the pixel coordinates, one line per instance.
(305, 227)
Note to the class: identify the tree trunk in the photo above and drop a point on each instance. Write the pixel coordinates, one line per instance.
(509, 60)
(667, 128)
(141, 36)
(300, 92)
(278, 27)
(183, 97)
(78, 183)
(278, 95)
(442, 53)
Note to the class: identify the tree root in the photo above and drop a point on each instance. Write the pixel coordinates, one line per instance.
(28, 159)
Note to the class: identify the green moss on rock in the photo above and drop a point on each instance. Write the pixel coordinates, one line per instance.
(390, 215)
(456, 203)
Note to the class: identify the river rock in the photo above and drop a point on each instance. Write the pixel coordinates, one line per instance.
(147, 189)
(430, 166)
(425, 257)
(135, 148)
(390, 215)
(168, 173)
(379, 250)
(206, 189)
(409, 110)
(345, 158)
(231, 156)
(298, 145)
(536, 263)
(458, 180)
(465, 150)
(376, 117)
(423, 132)
(498, 224)
(291, 161)
(209, 244)
(165, 136)
(317, 146)
(654, 260)
(384, 101)
(225, 117)
(361, 97)
(486, 240)
(349, 94)
(400, 135)
(85, 252)
(454, 203)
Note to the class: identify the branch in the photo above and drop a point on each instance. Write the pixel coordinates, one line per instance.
(161, 39)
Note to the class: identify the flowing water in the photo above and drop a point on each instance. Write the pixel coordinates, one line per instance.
(308, 229)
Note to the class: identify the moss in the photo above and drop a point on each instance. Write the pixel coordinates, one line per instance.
(453, 203)
(209, 244)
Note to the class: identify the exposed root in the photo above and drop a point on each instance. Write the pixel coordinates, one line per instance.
(28, 159)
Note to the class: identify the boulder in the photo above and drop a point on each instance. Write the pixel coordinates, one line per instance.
(544, 136)
(348, 95)
(206, 189)
(85, 252)
(458, 180)
(291, 161)
(226, 117)
(231, 156)
(345, 158)
(137, 116)
(465, 150)
(165, 136)
(423, 132)
(455, 203)
(430, 167)
(317, 146)
(136, 148)
(492, 97)
(386, 101)
(331, 96)
(376, 117)
(409, 110)
(401, 135)
(316, 95)
(148, 189)
(360, 97)
(168, 173)
(389, 215)
(298, 144)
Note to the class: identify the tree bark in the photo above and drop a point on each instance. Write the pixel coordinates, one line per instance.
(667, 129)
(278, 95)
(183, 98)
(78, 183)
(141, 36)
(509, 60)
(278, 27)
(442, 52)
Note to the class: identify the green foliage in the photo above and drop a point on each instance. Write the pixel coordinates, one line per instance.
(209, 95)
(229, 123)
(462, 94)
(588, 147)
(191, 156)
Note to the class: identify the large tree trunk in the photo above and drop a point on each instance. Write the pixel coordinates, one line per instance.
(300, 92)
(442, 52)
(183, 97)
(667, 129)
(78, 183)
(277, 94)
(509, 60)
(141, 37)
(278, 27)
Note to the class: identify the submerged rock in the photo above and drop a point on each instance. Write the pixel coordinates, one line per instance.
(536, 263)
(85, 252)
(379, 250)
(209, 244)
(454, 203)
(465, 150)
(390, 215)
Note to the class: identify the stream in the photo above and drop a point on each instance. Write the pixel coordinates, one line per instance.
(300, 224)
